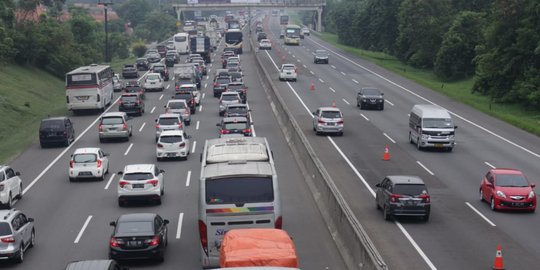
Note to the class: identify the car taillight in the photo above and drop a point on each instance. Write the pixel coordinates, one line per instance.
(204, 236)
(157, 126)
(279, 223)
(321, 121)
(247, 130)
(215, 84)
(100, 127)
(425, 198)
(395, 197)
(183, 144)
(8, 239)
(153, 182)
(99, 163)
(340, 122)
(123, 183)
(224, 131)
(154, 241)
(71, 162)
(114, 242)
(125, 126)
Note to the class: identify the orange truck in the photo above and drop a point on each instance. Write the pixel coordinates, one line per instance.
(258, 247)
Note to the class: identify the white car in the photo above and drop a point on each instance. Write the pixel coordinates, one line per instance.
(265, 44)
(173, 144)
(305, 31)
(179, 106)
(10, 186)
(140, 182)
(168, 121)
(228, 98)
(153, 81)
(87, 163)
(191, 88)
(287, 72)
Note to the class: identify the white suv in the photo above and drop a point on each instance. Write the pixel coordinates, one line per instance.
(287, 72)
(88, 163)
(140, 182)
(153, 81)
(10, 186)
(173, 144)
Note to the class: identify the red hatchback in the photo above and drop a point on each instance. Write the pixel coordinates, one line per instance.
(508, 189)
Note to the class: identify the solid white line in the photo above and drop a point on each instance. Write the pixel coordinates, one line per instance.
(142, 126)
(480, 214)
(205, 85)
(298, 60)
(487, 163)
(389, 102)
(200, 108)
(367, 119)
(293, 56)
(429, 101)
(129, 148)
(110, 181)
(343, 73)
(344, 100)
(197, 126)
(321, 80)
(332, 89)
(188, 178)
(416, 246)
(82, 229)
(193, 148)
(386, 135)
(160, 97)
(334, 67)
(179, 229)
(153, 109)
(425, 168)
(355, 81)
(203, 95)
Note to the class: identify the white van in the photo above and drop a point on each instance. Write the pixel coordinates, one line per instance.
(431, 126)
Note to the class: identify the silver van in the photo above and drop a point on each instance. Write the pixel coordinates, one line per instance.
(431, 126)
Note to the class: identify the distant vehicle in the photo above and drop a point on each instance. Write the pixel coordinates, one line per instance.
(321, 56)
(287, 72)
(161, 69)
(130, 71)
(226, 99)
(162, 50)
(220, 85)
(96, 265)
(292, 34)
(431, 126)
(284, 19)
(56, 130)
(140, 182)
(179, 106)
(134, 87)
(328, 120)
(305, 31)
(170, 45)
(113, 125)
(118, 85)
(89, 87)
(171, 58)
(173, 144)
(282, 34)
(234, 126)
(261, 36)
(239, 87)
(370, 97)
(87, 163)
(131, 103)
(12, 188)
(188, 97)
(17, 234)
(153, 58)
(258, 28)
(153, 81)
(168, 121)
(508, 189)
(236, 76)
(181, 43)
(265, 44)
(142, 64)
(233, 39)
(202, 46)
(399, 195)
(238, 110)
(191, 88)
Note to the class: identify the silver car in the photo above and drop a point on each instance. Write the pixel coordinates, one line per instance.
(228, 98)
(168, 121)
(179, 106)
(113, 125)
(118, 85)
(17, 234)
(328, 120)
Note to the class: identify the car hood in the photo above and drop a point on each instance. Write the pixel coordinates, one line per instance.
(515, 191)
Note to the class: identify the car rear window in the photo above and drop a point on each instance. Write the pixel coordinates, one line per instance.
(52, 124)
(5, 229)
(409, 189)
(135, 227)
(230, 126)
(112, 120)
(288, 68)
(239, 190)
(176, 105)
(229, 97)
(223, 80)
(138, 176)
(168, 121)
(235, 87)
(183, 96)
(171, 139)
(330, 114)
(152, 77)
(129, 98)
(84, 158)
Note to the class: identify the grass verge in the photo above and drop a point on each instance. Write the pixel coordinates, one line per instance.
(516, 115)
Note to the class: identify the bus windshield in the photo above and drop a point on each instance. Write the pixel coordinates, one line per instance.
(82, 79)
(233, 37)
(239, 190)
(180, 38)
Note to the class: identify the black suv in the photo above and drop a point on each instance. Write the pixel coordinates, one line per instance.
(56, 130)
(131, 103)
(399, 195)
(170, 60)
(188, 97)
(370, 97)
(261, 36)
(220, 85)
(130, 71)
(142, 64)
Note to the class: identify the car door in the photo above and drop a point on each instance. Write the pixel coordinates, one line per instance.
(12, 181)
(69, 129)
(26, 230)
(489, 186)
(160, 229)
(387, 191)
(380, 192)
(104, 160)
(159, 176)
(316, 118)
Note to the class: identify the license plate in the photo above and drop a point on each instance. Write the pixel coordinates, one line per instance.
(138, 185)
(518, 204)
(331, 124)
(171, 154)
(438, 145)
(85, 173)
(134, 243)
(83, 98)
(112, 129)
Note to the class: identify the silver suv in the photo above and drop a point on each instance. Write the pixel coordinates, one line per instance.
(114, 125)
(10, 186)
(17, 234)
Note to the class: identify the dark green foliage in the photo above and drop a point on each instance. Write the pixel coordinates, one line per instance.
(139, 49)
(155, 26)
(134, 11)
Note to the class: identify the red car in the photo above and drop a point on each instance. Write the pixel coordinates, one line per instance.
(508, 189)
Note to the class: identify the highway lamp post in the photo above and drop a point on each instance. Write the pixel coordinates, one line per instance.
(105, 4)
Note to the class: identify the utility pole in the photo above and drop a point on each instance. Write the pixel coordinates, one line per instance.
(105, 4)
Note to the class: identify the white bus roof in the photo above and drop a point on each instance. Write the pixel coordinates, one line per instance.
(237, 168)
(236, 149)
(89, 69)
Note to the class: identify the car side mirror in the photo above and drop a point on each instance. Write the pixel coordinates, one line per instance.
(533, 185)
(112, 223)
(17, 173)
(455, 127)
(120, 173)
(218, 125)
(30, 219)
(313, 113)
(162, 171)
(166, 221)
(378, 185)
(106, 154)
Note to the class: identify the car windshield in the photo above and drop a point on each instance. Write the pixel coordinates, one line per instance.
(52, 124)
(167, 121)
(371, 92)
(511, 180)
(410, 189)
(171, 139)
(321, 53)
(437, 123)
(112, 120)
(84, 158)
(176, 105)
(135, 227)
(239, 190)
(229, 97)
(138, 176)
(153, 77)
(330, 114)
(5, 229)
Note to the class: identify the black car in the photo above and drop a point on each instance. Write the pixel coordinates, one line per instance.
(188, 97)
(134, 87)
(162, 49)
(240, 88)
(56, 130)
(234, 125)
(131, 103)
(138, 236)
(261, 35)
(220, 85)
(142, 64)
(321, 56)
(237, 110)
(161, 69)
(370, 97)
(399, 195)
(130, 71)
(170, 61)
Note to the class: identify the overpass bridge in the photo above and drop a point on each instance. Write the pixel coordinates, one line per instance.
(304, 5)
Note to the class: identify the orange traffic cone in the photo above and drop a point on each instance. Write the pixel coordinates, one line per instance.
(499, 262)
(312, 87)
(386, 155)
(333, 103)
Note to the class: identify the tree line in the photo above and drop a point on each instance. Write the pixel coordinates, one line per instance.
(58, 44)
(495, 41)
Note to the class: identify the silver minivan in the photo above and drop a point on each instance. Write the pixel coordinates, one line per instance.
(114, 125)
(431, 126)
(17, 234)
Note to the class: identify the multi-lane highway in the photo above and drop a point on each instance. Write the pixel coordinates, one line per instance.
(463, 232)
(72, 219)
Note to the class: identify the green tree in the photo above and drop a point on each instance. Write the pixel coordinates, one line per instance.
(158, 26)
(375, 25)
(139, 48)
(134, 11)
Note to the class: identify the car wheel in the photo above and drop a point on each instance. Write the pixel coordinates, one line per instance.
(43, 145)
(32, 239)
(20, 254)
(340, 134)
(360, 106)
(492, 204)
(426, 218)
(317, 133)
(71, 179)
(66, 143)
(101, 140)
(121, 203)
(158, 201)
(386, 213)
(102, 177)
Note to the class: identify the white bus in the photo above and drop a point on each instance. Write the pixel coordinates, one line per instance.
(89, 87)
(292, 34)
(181, 43)
(234, 39)
(238, 188)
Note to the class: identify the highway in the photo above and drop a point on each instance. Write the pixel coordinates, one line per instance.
(72, 219)
(463, 232)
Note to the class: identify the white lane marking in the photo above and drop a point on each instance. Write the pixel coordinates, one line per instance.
(367, 119)
(343, 73)
(344, 100)
(386, 135)
(211, 64)
(197, 126)
(425, 168)
(312, 73)
(200, 108)
(334, 67)
(487, 163)
(129, 148)
(81, 232)
(179, 229)
(160, 97)
(210, 68)
(321, 80)
(293, 56)
(110, 181)
(355, 81)
(207, 77)
(167, 88)
(142, 126)
(304, 66)
(416, 246)
(386, 100)
(298, 60)
(480, 214)
(188, 178)
(203, 95)
(193, 148)
(205, 85)
(332, 89)
(427, 100)
(153, 109)
(65, 150)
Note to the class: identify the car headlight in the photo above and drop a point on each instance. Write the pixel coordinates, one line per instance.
(425, 136)
(500, 194)
(221, 107)
(364, 99)
(380, 100)
(531, 194)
